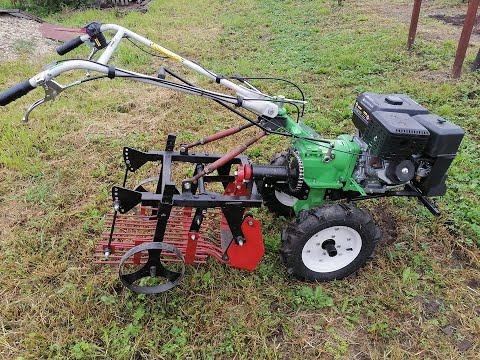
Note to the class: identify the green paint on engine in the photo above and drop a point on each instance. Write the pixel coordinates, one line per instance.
(321, 171)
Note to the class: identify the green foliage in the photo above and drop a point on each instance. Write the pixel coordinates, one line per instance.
(313, 298)
(338, 346)
(84, 350)
(409, 276)
(49, 6)
(382, 328)
(177, 342)
(119, 340)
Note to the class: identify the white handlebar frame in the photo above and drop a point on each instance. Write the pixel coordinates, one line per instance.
(253, 100)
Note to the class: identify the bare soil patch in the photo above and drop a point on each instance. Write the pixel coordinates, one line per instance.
(21, 37)
(457, 20)
(141, 6)
(448, 26)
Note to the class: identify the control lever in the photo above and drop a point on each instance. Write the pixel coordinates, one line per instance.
(90, 57)
(52, 89)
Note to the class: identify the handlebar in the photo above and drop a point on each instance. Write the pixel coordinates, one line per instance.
(248, 98)
(69, 46)
(15, 92)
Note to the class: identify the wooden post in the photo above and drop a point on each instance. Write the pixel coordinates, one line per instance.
(465, 37)
(413, 23)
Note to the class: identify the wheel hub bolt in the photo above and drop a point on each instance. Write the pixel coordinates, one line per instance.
(153, 271)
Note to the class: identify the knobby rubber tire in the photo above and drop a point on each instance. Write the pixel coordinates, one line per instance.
(310, 222)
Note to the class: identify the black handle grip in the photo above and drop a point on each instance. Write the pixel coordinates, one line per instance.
(15, 92)
(69, 46)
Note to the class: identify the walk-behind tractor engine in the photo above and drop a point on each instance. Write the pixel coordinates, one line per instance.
(158, 225)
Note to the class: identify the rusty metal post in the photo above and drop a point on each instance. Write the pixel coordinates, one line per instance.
(413, 23)
(465, 37)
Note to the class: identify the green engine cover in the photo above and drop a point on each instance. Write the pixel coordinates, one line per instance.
(325, 166)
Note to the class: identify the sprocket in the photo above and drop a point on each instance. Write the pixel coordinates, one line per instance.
(296, 170)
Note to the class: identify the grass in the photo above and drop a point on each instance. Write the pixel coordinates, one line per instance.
(418, 298)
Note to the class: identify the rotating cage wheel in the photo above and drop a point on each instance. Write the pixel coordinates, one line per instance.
(329, 242)
(146, 185)
(141, 268)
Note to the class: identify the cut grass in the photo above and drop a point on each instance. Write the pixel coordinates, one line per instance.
(417, 299)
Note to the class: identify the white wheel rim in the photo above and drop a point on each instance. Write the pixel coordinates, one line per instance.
(285, 199)
(348, 244)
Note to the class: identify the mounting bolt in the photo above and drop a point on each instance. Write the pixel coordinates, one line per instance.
(116, 205)
(240, 240)
(187, 186)
(107, 252)
(250, 223)
(153, 271)
(193, 237)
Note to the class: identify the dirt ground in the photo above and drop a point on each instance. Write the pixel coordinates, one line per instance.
(448, 21)
(22, 37)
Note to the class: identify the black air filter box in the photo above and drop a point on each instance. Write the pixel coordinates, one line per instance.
(367, 103)
(445, 137)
